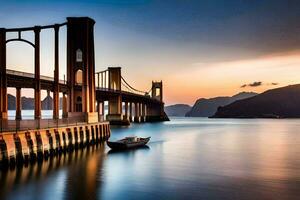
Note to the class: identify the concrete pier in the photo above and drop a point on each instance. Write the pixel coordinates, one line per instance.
(16, 148)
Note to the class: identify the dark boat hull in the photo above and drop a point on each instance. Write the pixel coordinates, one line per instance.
(120, 145)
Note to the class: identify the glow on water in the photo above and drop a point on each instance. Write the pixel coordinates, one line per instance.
(196, 158)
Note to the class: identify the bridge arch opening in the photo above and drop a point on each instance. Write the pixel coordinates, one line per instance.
(20, 56)
(78, 77)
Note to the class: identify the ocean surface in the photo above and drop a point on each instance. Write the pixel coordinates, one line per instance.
(187, 158)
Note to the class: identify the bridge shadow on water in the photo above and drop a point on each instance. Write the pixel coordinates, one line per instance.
(71, 175)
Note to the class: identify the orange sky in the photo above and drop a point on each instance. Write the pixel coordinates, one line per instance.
(191, 81)
(200, 80)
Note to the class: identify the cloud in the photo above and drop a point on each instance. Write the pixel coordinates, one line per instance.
(257, 84)
(254, 84)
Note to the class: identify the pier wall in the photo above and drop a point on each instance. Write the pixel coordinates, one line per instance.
(24, 146)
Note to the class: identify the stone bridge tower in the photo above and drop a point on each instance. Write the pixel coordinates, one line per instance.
(155, 111)
(81, 68)
(157, 91)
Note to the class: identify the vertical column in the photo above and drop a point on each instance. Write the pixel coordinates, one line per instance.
(91, 62)
(64, 106)
(98, 80)
(145, 112)
(98, 107)
(126, 110)
(18, 104)
(3, 78)
(103, 108)
(130, 111)
(37, 89)
(56, 74)
(100, 110)
(102, 85)
(137, 112)
(142, 113)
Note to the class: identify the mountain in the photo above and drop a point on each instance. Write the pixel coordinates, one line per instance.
(28, 103)
(47, 103)
(11, 102)
(276, 103)
(208, 107)
(178, 110)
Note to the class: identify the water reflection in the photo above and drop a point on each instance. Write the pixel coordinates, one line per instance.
(68, 176)
(128, 151)
(185, 159)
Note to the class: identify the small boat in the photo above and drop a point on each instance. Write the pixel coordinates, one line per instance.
(128, 143)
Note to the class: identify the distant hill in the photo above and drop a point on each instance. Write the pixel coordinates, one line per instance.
(282, 102)
(11, 102)
(207, 107)
(28, 103)
(178, 110)
(47, 103)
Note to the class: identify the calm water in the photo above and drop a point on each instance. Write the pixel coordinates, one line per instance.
(187, 158)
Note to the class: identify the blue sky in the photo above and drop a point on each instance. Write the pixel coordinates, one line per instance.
(154, 40)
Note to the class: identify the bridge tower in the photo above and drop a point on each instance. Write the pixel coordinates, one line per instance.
(81, 68)
(115, 115)
(155, 111)
(157, 90)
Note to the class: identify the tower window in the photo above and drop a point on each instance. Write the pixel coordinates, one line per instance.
(78, 77)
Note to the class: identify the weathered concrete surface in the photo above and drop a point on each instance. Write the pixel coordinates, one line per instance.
(31, 144)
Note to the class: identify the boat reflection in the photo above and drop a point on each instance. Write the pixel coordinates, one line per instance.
(128, 151)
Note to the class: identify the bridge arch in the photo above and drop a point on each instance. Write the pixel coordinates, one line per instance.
(20, 40)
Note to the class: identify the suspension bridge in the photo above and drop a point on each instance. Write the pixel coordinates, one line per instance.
(84, 93)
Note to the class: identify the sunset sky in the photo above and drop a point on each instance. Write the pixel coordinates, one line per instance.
(198, 48)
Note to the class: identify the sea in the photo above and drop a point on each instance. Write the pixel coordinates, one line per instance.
(186, 158)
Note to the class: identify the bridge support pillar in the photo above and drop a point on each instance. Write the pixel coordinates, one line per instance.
(56, 74)
(130, 111)
(126, 116)
(18, 104)
(64, 106)
(115, 116)
(37, 89)
(3, 77)
(155, 111)
(143, 118)
(137, 117)
(100, 109)
(145, 112)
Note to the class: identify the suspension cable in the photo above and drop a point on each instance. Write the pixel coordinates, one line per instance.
(136, 90)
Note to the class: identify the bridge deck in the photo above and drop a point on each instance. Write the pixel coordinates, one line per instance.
(26, 80)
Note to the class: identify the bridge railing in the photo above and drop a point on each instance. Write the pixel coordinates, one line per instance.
(35, 124)
(102, 83)
(31, 75)
(101, 79)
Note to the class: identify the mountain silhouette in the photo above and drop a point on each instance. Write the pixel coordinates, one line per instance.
(178, 110)
(207, 107)
(276, 103)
